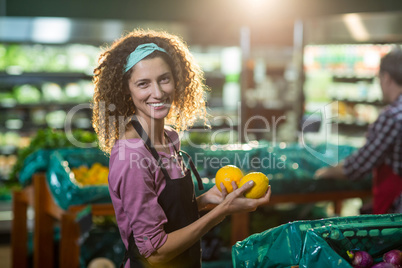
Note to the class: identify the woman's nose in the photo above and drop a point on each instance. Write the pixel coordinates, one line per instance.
(157, 91)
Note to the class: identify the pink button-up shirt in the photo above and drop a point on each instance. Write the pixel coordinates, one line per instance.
(135, 183)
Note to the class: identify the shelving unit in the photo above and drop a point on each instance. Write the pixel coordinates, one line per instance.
(13, 109)
(41, 77)
(344, 76)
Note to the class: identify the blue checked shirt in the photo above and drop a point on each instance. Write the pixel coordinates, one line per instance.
(383, 144)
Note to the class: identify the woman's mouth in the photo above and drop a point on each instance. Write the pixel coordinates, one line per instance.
(157, 105)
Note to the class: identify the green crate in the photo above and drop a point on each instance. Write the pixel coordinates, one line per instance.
(284, 246)
(64, 191)
(37, 161)
(327, 246)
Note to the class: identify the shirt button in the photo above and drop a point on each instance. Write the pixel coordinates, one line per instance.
(145, 238)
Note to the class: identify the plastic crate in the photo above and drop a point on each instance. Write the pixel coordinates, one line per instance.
(284, 246)
(37, 161)
(327, 246)
(66, 192)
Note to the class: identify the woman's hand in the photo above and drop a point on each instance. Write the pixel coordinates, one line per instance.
(211, 198)
(236, 202)
(182, 239)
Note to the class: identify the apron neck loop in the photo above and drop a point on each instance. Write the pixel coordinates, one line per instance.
(140, 130)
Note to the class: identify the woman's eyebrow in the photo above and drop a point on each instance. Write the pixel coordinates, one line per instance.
(165, 74)
(141, 80)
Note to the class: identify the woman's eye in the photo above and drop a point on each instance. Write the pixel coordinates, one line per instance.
(165, 79)
(142, 84)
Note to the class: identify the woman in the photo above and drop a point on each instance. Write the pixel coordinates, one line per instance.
(144, 82)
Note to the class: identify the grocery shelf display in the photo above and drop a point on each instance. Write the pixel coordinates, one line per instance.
(344, 78)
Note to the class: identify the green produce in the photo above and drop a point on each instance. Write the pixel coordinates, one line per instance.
(3, 51)
(47, 139)
(73, 91)
(52, 92)
(27, 94)
(7, 99)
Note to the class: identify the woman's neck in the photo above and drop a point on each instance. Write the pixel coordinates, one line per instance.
(155, 130)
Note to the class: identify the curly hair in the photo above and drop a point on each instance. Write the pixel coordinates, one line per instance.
(112, 104)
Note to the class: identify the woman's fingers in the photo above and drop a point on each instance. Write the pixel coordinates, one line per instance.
(245, 187)
(224, 191)
(265, 199)
(234, 185)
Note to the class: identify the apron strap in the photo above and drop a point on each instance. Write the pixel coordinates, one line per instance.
(137, 126)
(192, 166)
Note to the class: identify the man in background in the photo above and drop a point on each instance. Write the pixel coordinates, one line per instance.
(382, 152)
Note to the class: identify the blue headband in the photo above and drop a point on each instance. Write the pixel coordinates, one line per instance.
(139, 53)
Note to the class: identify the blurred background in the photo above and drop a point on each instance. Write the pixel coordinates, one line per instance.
(267, 62)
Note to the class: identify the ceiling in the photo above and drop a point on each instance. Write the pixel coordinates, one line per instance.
(206, 22)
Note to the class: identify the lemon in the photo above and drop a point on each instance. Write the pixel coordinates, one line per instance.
(260, 187)
(226, 175)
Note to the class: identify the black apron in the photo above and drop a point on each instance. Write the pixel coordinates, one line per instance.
(178, 202)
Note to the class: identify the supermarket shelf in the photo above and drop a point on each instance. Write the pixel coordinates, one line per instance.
(352, 79)
(357, 127)
(30, 127)
(44, 105)
(8, 79)
(374, 103)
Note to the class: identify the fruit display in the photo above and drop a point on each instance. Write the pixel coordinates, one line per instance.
(96, 175)
(231, 173)
(362, 259)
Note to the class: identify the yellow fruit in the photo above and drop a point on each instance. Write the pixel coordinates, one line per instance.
(226, 175)
(96, 175)
(260, 187)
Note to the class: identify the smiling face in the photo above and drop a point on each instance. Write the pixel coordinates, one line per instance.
(152, 89)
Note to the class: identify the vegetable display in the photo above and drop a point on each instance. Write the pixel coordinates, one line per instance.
(394, 257)
(48, 139)
(385, 265)
(362, 259)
